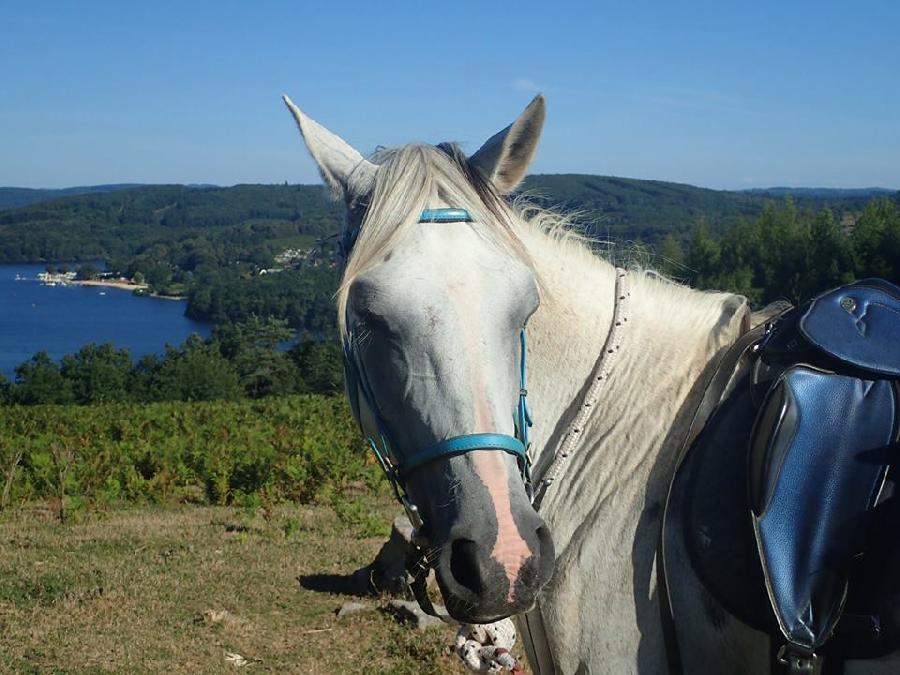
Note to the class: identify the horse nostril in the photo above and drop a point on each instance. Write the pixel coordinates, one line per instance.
(545, 541)
(547, 558)
(464, 565)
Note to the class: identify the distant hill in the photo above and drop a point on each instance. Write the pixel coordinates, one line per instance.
(632, 209)
(628, 208)
(121, 221)
(12, 197)
(823, 193)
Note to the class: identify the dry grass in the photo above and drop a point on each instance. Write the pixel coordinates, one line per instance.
(148, 590)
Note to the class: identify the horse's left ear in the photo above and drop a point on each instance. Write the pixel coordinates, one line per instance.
(505, 157)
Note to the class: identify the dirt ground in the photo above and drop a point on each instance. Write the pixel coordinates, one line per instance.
(198, 590)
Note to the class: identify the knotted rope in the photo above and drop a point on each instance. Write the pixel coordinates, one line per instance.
(599, 376)
(487, 647)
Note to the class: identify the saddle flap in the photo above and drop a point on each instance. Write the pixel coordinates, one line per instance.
(858, 324)
(818, 460)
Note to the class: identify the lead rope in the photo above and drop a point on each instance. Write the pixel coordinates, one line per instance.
(480, 646)
(599, 376)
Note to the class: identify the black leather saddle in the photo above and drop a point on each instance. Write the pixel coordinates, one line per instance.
(787, 498)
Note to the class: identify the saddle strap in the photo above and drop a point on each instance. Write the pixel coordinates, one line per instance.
(714, 388)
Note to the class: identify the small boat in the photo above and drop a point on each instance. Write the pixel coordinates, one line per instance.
(102, 292)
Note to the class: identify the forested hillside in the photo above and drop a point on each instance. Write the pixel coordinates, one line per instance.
(627, 209)
(225, 248)
(217, 224)
(250, 221)
(12, 197)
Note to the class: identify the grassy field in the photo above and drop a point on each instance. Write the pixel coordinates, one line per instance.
(150, 589)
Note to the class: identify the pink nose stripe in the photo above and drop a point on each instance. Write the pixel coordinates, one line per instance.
(510, 550)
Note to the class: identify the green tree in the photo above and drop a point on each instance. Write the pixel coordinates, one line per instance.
(194, 371)
(253, 348)
(40, 381)
(671, 257)
(97, 374)
(6, 390)
(320, 366)
(703, 256)
(830, 256)
(787, 241)
(87, 271)
(876, 240)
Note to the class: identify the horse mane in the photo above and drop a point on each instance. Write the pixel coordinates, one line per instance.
(411, 178)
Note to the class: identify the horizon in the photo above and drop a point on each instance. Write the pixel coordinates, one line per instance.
(863, 188)
(719, 97)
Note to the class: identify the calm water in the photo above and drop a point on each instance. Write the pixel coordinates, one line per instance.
(60, 319)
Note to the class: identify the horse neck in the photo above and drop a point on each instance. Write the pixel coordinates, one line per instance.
(671, 335)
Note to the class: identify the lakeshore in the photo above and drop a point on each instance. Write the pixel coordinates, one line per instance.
(62, 317)
(126, 285)
(120, 283)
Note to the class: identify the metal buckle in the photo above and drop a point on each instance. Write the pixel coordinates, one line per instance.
(797, 659)
(412, 512)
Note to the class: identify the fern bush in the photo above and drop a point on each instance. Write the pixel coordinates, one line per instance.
(298, 448)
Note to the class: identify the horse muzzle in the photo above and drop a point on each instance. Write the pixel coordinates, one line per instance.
(483, 582)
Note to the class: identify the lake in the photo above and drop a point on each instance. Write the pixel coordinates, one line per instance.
(60, 319)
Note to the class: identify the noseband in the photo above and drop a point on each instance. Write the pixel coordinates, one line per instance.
(398, 465)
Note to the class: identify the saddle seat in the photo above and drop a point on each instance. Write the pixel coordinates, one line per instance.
(786, 497)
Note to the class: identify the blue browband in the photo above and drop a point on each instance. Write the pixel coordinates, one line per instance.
(427, 216)
(445, 216)
(397, 466)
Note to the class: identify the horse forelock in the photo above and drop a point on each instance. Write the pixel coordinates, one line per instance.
(414, 177)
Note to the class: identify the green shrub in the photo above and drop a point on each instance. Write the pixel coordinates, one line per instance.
(296, 448)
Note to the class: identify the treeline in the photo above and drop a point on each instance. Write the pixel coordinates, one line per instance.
(240, 360)
(789, 252)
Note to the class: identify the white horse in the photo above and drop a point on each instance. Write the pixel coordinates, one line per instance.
(434, 311)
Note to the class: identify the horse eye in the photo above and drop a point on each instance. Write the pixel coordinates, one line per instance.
(359, 206)
(370, 320)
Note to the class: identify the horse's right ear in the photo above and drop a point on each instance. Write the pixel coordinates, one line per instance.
(505, 157)
(345, 171)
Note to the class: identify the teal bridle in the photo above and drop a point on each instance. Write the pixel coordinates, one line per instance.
(398, 465)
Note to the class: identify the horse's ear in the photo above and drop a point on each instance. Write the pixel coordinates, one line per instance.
(505, 157)
(345, 171)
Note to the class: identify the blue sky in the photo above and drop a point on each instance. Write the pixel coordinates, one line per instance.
(719, 94)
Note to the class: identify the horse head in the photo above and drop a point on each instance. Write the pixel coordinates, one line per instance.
(434, 299)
